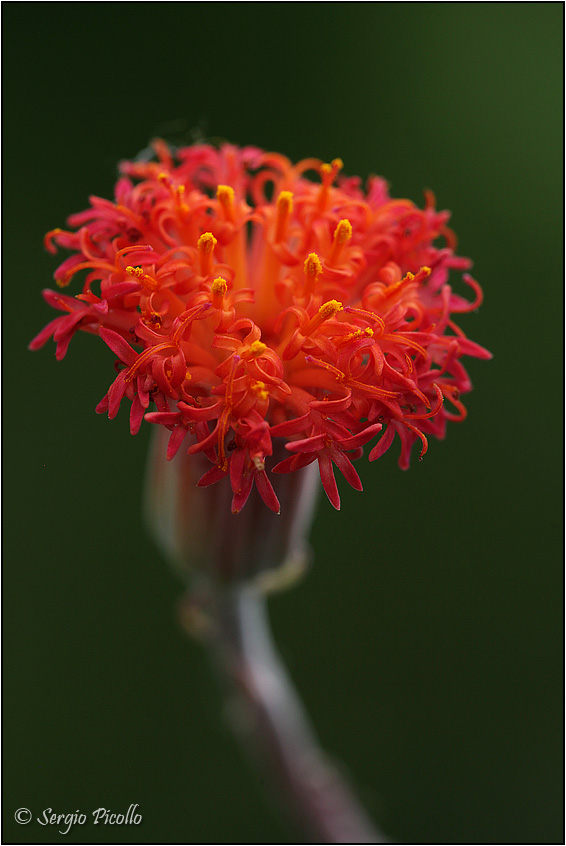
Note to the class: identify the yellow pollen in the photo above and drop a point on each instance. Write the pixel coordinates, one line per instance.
(206, 242)
(328, 174)
(219, 286)
(407, 279)
(328, 171)
(329, 309)
(395, 287)
(285, 202)
(225, 194)
(312, 266)
(179, 195)
(218, 289)
(338, 375)
(284, 209)
(134, 271)
(260, 389)
(325, 312)
(144, 278)
(257, 348)
(152, 318)
(353, 336)
(177, 192)
(343, 232)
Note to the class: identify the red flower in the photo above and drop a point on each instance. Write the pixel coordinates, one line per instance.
(323, 317)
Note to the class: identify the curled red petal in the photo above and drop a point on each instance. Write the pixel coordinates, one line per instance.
(165, 418)
(242, 494)
(136, 415)
(266, 491)
(215, 474)
(116, 394)
(361, 438)
(328, 481)
(383, 444)
(118, 346)
(312, 444)
(294, 462)
(347, 469)
(176, 438)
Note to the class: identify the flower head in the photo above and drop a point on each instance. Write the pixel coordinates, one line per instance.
(245, 303)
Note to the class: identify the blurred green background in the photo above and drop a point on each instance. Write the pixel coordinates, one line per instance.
(427, 639)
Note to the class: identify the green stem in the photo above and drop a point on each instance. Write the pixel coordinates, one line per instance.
(274, 727)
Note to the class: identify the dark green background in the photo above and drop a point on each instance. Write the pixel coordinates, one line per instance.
(427, 640)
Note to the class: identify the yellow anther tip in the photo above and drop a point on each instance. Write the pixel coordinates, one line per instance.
(225, 193)
(330, 308)
(332, 168)
(312, 266)
(219, 286)
(285, 201)
(343, 231)
(260, 389)
(134, 271)
(257, 347)
(163, 177)
(206, 242)
(426, 270)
